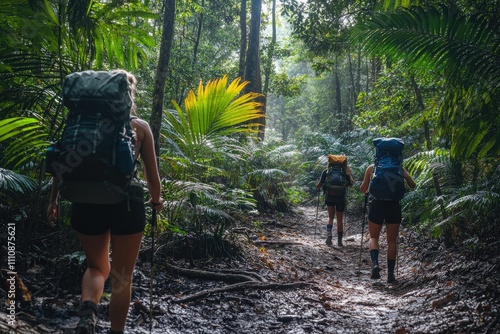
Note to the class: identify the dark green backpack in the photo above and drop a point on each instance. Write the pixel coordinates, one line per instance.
(94, 158)
(336, 180)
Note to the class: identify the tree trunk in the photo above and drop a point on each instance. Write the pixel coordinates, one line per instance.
(270, 54)
(427, 132)
(199, 29)
(252, 68)
(162, 70)
(338, 97)
(352, 92)
(358, 74)
(243, 42)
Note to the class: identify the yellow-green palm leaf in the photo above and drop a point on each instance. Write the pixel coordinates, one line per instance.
(215, 111)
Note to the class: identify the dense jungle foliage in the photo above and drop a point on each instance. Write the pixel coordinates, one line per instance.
(335, 75)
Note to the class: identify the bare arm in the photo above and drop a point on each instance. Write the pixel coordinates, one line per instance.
(148, 156)
(320, 184)
(349, 174)
(366, 180)
(409, 179)
(53, 209)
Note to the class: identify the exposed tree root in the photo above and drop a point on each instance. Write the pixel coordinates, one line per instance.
(277, 242)
(241, 286)
(218, 276)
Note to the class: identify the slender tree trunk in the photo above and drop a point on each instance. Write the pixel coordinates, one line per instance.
(367, 75)
(162, 70)
(338, 97)
(270, 54)
(198, 35)
(358, 74)
(252, 68)
(352, 92)
(243, 42)
(427, 132)
(351, 70)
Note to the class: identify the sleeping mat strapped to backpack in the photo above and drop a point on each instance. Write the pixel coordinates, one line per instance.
(387, 183)
(94, 158)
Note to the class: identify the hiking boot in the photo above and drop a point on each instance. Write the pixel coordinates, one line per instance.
(88, 318)
(329, 240)
(391, 278)
(340, 243)
(375, 272)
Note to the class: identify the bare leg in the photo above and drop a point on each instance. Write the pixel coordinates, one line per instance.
(374, 248)
(392, 236)
(329, 226)
(374, 234)
(392, 250)
(331, 214)
(340, 221)
(96, 250)
(340, 227)
(124, 256)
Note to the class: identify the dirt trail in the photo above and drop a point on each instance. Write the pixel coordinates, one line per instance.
(436, 292)
(351, 301)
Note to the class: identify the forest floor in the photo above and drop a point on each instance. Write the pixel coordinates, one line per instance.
(285, 279)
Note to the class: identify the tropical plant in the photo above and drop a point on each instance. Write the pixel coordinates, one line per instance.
(464, 50)
(204, 155)
(467, 208)
(271, 173)
(215, 112)
(42, 41)
(21, 141)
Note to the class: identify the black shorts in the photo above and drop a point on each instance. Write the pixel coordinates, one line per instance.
(338, 201)
(96, 219)
(388, 212)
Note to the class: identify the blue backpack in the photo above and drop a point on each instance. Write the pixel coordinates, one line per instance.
(387, 183)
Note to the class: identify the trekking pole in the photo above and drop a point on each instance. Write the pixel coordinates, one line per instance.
(317, 209)
(153, 230)
(397, 255)
(362, 235)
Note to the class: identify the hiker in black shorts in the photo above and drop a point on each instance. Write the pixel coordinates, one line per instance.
(120, 226)
(388, 212)
(335, 201)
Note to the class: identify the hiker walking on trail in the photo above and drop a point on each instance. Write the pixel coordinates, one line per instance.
(119, 225)
(384, 182)
(334, 181)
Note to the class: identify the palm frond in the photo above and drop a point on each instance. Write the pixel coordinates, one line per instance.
(463, 49)
(426, 161)
(12, 182)
(25, 139)
(214, 213)
(267, 172)
(215, 111)
(394, 4)
(482, 200)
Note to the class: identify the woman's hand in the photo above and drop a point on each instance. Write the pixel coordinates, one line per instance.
(52, 213)
(156, 205)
